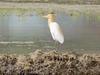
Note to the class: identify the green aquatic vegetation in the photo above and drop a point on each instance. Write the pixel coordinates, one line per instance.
(89, 12)
(18, 11)
(98, 16)
(24, 11)
(73, 13)
(5, 11)
(41, 11)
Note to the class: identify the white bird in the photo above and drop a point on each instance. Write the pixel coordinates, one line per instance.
(55, 29)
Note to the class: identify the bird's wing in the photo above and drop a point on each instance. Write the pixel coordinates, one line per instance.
(56, 32)
(52, 32)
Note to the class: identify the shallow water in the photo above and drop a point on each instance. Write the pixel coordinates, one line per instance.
(25, 33)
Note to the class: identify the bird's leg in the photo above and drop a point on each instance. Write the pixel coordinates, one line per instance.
(60, 46)
(56, 45)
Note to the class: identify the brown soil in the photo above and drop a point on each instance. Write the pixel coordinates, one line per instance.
(59, 7)
(50, 63)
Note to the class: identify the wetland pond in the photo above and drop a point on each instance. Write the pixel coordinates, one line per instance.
(26, 33)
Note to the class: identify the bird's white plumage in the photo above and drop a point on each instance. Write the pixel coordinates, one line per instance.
(56, 32)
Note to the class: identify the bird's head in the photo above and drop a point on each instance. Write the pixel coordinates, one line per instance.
(49, 16)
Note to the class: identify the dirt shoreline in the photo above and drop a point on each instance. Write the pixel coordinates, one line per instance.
(50, 63)
(50, 6)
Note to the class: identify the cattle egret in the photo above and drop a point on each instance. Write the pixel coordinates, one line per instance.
(55, 29)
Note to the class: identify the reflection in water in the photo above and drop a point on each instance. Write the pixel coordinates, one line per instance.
(82, 32)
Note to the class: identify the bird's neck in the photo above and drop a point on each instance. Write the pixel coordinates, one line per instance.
(50, 21)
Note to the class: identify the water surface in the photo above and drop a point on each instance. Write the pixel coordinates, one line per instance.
(26, 33)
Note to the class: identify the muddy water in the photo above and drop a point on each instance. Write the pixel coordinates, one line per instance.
(25, 33)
